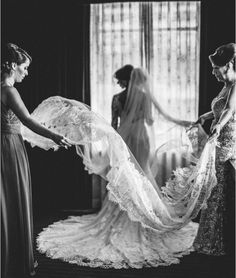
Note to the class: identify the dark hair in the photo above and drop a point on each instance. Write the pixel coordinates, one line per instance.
(124, 73)
(223, 55)
(11, 53)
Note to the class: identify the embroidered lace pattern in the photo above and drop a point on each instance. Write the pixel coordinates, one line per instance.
(9, 121)
(211, 236)
(138, 225)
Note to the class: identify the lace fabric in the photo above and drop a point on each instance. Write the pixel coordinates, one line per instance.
(216, 226)
(227, 137)
(101, 144)
(111, 239)
(161, 221)
(9, 121)
(110, 158)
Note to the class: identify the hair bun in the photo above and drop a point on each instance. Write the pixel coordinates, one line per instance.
(124, 73)
(223, 54)
(12, 46)
(11, 53)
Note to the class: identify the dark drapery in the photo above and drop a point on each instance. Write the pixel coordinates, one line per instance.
(55, 33)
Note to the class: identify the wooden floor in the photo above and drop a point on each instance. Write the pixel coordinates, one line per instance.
(191, 266)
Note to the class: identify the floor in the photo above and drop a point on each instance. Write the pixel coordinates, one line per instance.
(191, 266)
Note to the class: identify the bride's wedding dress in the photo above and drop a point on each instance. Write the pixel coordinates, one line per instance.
(138, 225)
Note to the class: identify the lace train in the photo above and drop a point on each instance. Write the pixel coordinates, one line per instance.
(110, 239)
(138, 226)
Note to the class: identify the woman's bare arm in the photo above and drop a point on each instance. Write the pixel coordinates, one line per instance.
(17, 105)
(230, 108)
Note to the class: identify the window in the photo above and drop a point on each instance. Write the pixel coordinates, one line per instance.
(163, 37)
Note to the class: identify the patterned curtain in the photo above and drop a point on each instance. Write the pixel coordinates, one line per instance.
(163, 37)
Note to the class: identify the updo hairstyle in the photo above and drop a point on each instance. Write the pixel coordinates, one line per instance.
(11, 53)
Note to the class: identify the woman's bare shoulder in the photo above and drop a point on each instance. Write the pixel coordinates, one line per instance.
(8, 89)
(8, 93)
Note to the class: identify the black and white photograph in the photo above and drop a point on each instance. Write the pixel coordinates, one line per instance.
(118, 139)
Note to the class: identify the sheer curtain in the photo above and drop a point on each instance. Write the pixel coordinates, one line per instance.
(163, 37)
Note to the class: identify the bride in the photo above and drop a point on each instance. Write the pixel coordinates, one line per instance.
(139, 225)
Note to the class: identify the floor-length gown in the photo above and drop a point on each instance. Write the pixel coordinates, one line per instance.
(217, 223)
(110, 238)
(16, 200)
(137, 138)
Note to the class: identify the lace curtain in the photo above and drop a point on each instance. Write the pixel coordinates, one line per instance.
(164, 38)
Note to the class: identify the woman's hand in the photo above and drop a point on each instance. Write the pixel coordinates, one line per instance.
(207, 116)
(61, 141)
(187, 124)
(201, 120)
(215, 131)
(150, 121)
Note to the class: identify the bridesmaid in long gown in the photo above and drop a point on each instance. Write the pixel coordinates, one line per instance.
(16, 201)
(216, 228)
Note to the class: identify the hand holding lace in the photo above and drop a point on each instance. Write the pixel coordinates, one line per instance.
(207, 116)
(200, 120)
(61, 141)
(215, 131)
(187, 124)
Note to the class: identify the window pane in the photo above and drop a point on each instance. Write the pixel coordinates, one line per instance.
(116, 31)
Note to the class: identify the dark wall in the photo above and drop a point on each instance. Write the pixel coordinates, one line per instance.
(217, 28)
(54, 32)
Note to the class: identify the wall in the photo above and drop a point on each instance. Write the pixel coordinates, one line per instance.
(218, 27)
